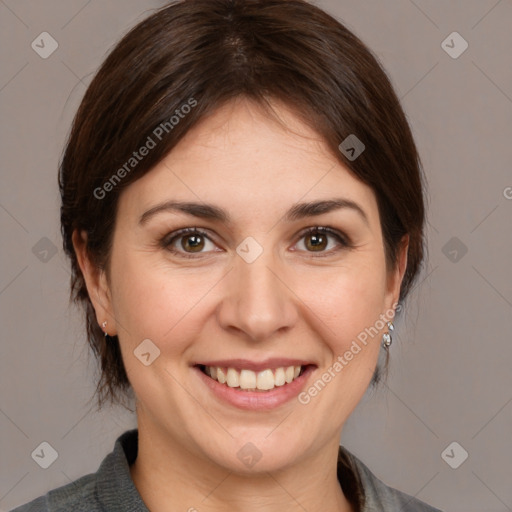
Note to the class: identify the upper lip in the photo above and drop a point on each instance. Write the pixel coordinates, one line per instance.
(255, 366)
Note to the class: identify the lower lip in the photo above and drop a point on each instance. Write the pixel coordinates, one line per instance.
(256, 400)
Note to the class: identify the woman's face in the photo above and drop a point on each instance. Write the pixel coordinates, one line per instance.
(251, 291)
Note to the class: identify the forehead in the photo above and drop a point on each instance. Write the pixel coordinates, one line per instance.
(247, 162)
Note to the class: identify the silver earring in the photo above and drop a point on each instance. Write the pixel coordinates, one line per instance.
(104, 325)
(386, 337)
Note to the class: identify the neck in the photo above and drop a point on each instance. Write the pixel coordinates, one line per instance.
(169, 477)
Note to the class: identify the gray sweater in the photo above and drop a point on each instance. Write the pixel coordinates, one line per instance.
(111, 488)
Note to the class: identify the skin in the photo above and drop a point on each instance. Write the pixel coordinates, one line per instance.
(290, 302)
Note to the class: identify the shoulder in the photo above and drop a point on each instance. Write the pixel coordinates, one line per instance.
(78, 496)
(110, 488)
(380, 497)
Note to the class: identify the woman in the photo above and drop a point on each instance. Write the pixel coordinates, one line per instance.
(242, 205)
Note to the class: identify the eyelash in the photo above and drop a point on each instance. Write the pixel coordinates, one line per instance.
(168, 240)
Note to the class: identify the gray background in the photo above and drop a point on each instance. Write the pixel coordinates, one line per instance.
(450, 376)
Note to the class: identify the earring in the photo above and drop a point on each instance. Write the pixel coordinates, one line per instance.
(104, 325)
(386, 337)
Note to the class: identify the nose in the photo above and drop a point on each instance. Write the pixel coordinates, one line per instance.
(258, 301)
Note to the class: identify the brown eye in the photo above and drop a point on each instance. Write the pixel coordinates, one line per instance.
(316, 239)
(193, 242)
(187, 242)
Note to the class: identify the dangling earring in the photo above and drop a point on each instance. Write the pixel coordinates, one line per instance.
(104, 325)
(386, 337)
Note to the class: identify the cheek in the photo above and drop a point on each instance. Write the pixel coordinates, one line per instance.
(349, 309)
(155, 302)
(350, 303)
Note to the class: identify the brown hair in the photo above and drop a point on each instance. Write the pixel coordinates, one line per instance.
(202, 54)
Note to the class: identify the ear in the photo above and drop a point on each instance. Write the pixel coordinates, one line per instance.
(96, 283)
(396, 276)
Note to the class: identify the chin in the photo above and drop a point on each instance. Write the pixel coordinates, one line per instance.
(253, 454)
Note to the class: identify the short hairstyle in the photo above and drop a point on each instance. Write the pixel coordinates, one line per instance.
(184, 62)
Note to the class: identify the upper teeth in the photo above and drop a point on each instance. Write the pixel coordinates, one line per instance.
(247, 379)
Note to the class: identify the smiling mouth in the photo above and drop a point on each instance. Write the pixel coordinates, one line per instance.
(248, 380)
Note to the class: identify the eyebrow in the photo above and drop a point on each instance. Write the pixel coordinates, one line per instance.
(296, 212)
